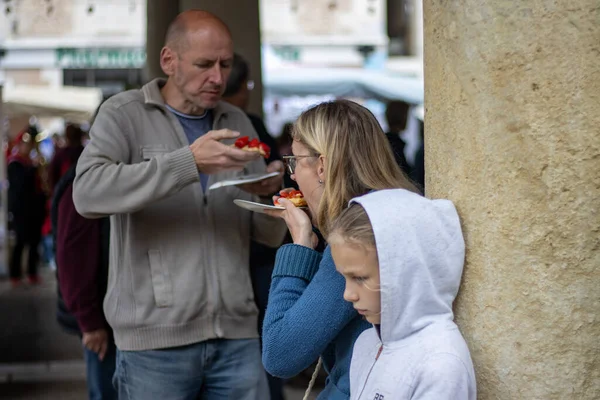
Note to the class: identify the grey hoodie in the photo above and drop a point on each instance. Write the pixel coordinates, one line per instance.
(419, 352)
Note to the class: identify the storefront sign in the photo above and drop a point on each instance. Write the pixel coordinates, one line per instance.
(100, 58)
(287, 53)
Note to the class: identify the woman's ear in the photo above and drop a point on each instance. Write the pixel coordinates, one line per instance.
(321, 169)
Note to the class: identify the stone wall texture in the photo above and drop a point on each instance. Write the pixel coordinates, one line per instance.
(512, 131)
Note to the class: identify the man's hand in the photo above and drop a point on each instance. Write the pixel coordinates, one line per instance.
(269, 186)
(212, 156)
(96, 341)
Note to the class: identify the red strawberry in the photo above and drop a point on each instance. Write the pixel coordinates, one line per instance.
(265, 150)
(242, 142)
(285, 195)
(253, 143)
(296, 193)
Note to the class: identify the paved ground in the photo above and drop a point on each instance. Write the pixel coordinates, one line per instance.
(76, 390)
(38, 361)
(28, 328)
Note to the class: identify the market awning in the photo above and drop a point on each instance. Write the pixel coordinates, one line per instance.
(76, 104)
(342, 82)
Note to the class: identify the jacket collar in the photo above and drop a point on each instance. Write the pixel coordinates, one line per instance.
(153, 96)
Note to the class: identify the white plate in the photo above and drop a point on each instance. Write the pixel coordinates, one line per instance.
(255, 207)
(243, 179)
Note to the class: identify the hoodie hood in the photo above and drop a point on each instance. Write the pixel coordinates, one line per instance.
(421, 254)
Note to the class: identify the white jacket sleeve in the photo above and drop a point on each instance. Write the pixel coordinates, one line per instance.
(443, 377)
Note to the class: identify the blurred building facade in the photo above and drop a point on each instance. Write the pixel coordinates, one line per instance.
(73, 43)
(333, 33)
(103, 43)
(341, 33)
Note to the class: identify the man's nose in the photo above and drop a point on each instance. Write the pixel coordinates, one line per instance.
(216, 75)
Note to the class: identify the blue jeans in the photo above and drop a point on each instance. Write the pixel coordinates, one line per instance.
(216, 369)
(48, 247)
(100, 374)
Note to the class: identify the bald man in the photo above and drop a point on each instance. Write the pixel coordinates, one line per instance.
(179, 297)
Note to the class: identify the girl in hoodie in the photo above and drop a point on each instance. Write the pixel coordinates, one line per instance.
(339, 152)
(402, 258)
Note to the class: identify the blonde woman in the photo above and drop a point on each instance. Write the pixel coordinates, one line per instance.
(339, 152)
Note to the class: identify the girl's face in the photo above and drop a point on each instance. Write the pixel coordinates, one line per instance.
(360, 267)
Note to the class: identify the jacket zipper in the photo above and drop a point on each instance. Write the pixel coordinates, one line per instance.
(371, 370)
(212, 276)
(212, 272)
(214, 281)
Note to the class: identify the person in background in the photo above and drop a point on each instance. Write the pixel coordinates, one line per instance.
(82, 253)
(402, 256)
(262, 258)
(284, 141)
(47, 238)
(284, 144)
(418, 170)
(66, 156)
(179, 296)
(26, 207)
(57, 143)
(396, 115)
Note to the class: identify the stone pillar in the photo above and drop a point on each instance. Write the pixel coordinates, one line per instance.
(512, 124)
(243, 20)
(159, 14)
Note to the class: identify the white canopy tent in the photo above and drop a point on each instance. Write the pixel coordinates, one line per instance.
(343, 82)
(76, 104)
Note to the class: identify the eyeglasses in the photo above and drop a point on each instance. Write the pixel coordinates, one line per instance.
(291, 161)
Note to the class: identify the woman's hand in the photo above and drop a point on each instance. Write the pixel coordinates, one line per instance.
(297, 220)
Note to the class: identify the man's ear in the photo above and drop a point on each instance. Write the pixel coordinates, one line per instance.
(168, 59)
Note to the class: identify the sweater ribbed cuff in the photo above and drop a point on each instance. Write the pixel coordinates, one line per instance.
(297, 261)
(184, 167)
(91, 320)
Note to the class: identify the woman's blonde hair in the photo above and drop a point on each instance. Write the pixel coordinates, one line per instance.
(352, 226)
(358, 156)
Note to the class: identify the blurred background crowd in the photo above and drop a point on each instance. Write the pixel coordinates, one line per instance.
(60, 59)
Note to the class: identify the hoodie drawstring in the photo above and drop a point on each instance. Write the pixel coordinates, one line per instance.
(313, 379)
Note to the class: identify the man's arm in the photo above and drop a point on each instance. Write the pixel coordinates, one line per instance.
(107, 184)
(78, 261)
